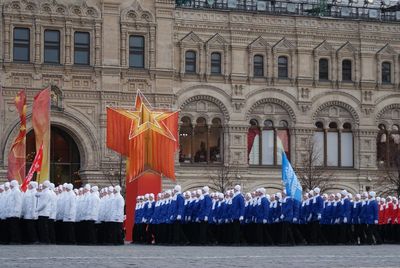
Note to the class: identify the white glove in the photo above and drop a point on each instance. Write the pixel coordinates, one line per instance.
(240, 218)
(179, 217)
(143, 219)
(389, 220)
(376, 222)
(220, 221)
(197, 220)
(319, 216)
(345, 220)
(294, 219)
(214, 219)
(276, 220)
(282, 217)
(151, 220)
(171, 217)
(226, 221)
(189, 218)
(309, 218)
(336, 221)
(205, 218)
(265, 221)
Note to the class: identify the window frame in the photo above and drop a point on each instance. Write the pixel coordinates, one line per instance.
(388, 73)
(193, 62)
(216, 63)
(258, 66)
(326, 72)
(52, 45)
(138, 50)
(19, 44)
(283, 69)
(349, 71)
(81, 47)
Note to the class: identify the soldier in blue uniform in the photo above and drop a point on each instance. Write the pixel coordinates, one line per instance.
(317, 206)
(287, 219)
(373, 236)
(237, 210)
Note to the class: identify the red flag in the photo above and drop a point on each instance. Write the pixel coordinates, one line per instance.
(36, 167)
(41, 126)
(16, 157)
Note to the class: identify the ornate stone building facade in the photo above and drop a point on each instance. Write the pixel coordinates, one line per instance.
(247, 84)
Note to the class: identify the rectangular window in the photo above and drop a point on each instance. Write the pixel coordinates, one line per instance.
(346, 148)
(190, 62)
(136, 51)
(216, 63)
(258, 66)
(386, 73)
(52, 46)
(318, 148)
(254, 156)
(346, 70)
(82, 48)
(283, 67)
(21, 45)
(333, 149)
(267, 147)
(323, 69)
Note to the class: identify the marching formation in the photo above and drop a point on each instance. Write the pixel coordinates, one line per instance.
(47, 214)
(256, 218)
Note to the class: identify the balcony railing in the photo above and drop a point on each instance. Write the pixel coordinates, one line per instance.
(350, 9)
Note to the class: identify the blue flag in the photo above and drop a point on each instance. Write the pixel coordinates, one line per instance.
(289, 178)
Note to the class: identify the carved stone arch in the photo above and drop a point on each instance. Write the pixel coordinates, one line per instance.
(275, 90)
(339, 187)
(279, 102)
(17, 6)
(382, 112)
(135, 12)
(214, 100)
(188, 115)
(343, 105)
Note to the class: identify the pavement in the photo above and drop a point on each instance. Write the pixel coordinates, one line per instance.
(192, 256)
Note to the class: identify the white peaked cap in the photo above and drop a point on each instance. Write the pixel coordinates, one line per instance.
(95, 188)
(65, 185)
(268, 196)
(46, 184)
(199, 192)
(284, 191)
(87, 187)
(248, 195)
(338, 195)
(151, 195)
(146, 196)
(379, 199)
(2, 186)
(350, 195)
(117, 188)
(69, 186)
(311, 192)
(52, 186)
(168, 192)
(32, 183)
(237, 187)
(317, 190)
(262, 190)
(358, 196)
(206, 189)
(110, 188)
(178, 188)
(221, 195)
(344, 193)
(372, 193)
(279, 195)
(325, 195)
(7, 185)
(365, 194)
(159, 195)
(14, 183)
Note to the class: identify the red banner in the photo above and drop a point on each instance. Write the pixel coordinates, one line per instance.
(36, 166)
(41, 126)
(17, 155)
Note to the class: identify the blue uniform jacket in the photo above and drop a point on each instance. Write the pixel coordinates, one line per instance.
(372, 212)
(317, 207)
(287, 210)
(237, 208)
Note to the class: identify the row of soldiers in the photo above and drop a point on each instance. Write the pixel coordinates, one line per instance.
(47, 214)
(256, 218)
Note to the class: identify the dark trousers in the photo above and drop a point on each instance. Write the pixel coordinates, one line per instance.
(116, 230)
(236, 232)
(43, 229)
(88, 232)
(316, 234)
(52, 231)
(14, 230)
(59, 232)
(29, 231)
(287, 234)
(203, 232)
(178, 235)
(373, 234)
(69, 232)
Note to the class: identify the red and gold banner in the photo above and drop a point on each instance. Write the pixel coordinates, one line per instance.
(35, 167)
(41, 126)
(148, 137)
(17, 155)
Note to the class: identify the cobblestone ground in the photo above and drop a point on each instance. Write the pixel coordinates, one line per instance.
(210, 257)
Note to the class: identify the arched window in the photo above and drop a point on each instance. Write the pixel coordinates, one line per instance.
(266, 144)
(65, 160)
(185, 140)
(346, 70)
(190, 61)
(258, 66)
(323, 69)
(283, 67)
(200, 143)
(215, 63)
(386, 73)
(333, 147)
(388, 146)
